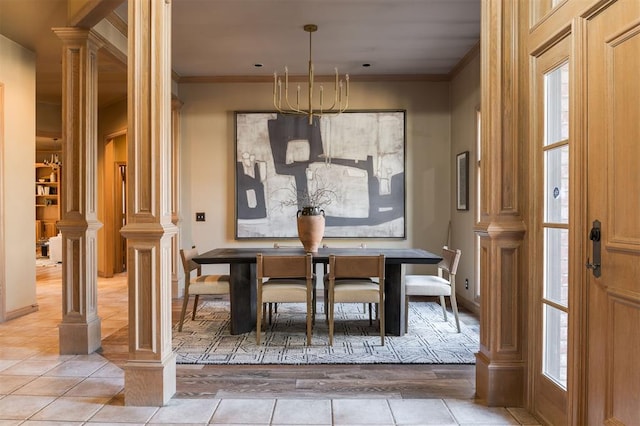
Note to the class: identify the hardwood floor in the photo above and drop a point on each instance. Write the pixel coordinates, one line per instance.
(278, 381)
(328, 381)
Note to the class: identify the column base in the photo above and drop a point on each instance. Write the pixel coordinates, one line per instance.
(149, 383)
(80, 338)
(499, 383)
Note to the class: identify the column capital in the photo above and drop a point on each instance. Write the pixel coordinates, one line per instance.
(77, 35)
(152, 230)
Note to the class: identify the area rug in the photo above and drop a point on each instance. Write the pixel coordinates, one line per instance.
(430, 339)
(45, 261)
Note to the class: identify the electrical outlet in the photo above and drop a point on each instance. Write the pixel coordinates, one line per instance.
(200, 217)
(466, 283)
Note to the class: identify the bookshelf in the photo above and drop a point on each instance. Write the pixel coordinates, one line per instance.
(47, 200)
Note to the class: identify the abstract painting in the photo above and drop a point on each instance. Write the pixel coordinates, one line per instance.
(351, 164)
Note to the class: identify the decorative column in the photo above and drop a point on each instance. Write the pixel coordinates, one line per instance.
(500, 364)
(150, 372)
(177, 274)
(80, 328)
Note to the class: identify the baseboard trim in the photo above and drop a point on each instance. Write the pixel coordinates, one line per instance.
(16, 313)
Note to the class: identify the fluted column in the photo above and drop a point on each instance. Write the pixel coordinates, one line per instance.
(150, 372)
(80, 328)
(177, 274)
(500, 366)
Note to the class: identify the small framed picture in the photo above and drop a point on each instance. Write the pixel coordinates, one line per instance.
(462, 181)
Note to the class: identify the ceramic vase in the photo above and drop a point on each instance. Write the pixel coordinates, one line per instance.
(310, 228)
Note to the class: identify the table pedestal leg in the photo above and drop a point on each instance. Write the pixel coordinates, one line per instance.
(394, 300)
(242, 297)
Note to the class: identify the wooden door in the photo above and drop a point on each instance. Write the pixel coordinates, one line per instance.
(613, 180)
(120, 216)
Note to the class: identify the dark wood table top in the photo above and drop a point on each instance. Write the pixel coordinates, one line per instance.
(248, 254)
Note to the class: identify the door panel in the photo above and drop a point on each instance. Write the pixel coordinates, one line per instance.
(613, 181)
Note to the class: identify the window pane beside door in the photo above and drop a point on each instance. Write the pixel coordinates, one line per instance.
(556, 266)
(554, 363)
(556, 185)
(556, 89)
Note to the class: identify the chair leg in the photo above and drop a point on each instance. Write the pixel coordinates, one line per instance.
(370, 316)
(185, 302)
(444, 307)
(381, 321)
(406, 314)
(271, 312)
(195, 307)
(326, 305)
(259, 314)
(309, 317)
(313, 306)
(454, 307)
(330, 319)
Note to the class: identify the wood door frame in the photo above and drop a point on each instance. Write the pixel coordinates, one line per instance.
(548, 400)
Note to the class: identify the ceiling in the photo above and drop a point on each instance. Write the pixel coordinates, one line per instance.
(227, 38)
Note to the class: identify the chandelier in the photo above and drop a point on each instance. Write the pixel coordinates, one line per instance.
(340, 91)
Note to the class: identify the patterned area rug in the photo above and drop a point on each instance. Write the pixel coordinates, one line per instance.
(430, 340)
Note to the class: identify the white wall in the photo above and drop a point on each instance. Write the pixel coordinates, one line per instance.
(208, 159)
(17, 154)
(465, 101)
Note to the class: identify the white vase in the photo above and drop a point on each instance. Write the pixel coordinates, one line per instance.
(53, 177)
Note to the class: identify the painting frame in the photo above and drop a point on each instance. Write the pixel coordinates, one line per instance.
(462, 181)
(359, 155)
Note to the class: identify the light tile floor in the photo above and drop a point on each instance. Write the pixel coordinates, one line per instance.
(40, 387)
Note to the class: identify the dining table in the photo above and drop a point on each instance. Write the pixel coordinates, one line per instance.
(242, 273)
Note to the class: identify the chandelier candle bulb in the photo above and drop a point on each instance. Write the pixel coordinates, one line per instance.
(286, 79)
(279, 93)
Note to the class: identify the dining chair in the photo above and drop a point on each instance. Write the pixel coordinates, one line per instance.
(442, 285)
(284, 279)
(273, 307)
(326, 289)
(356, 279)
(200, 284)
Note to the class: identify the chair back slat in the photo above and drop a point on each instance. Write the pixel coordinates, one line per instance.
(356, 266)
(284, 266)
(450, 260)
(188, 264)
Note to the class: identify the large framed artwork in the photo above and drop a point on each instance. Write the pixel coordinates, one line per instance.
(350, 165)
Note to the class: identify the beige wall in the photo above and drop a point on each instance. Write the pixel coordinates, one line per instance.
(208, 158)
(465, 101)
(17, 154)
